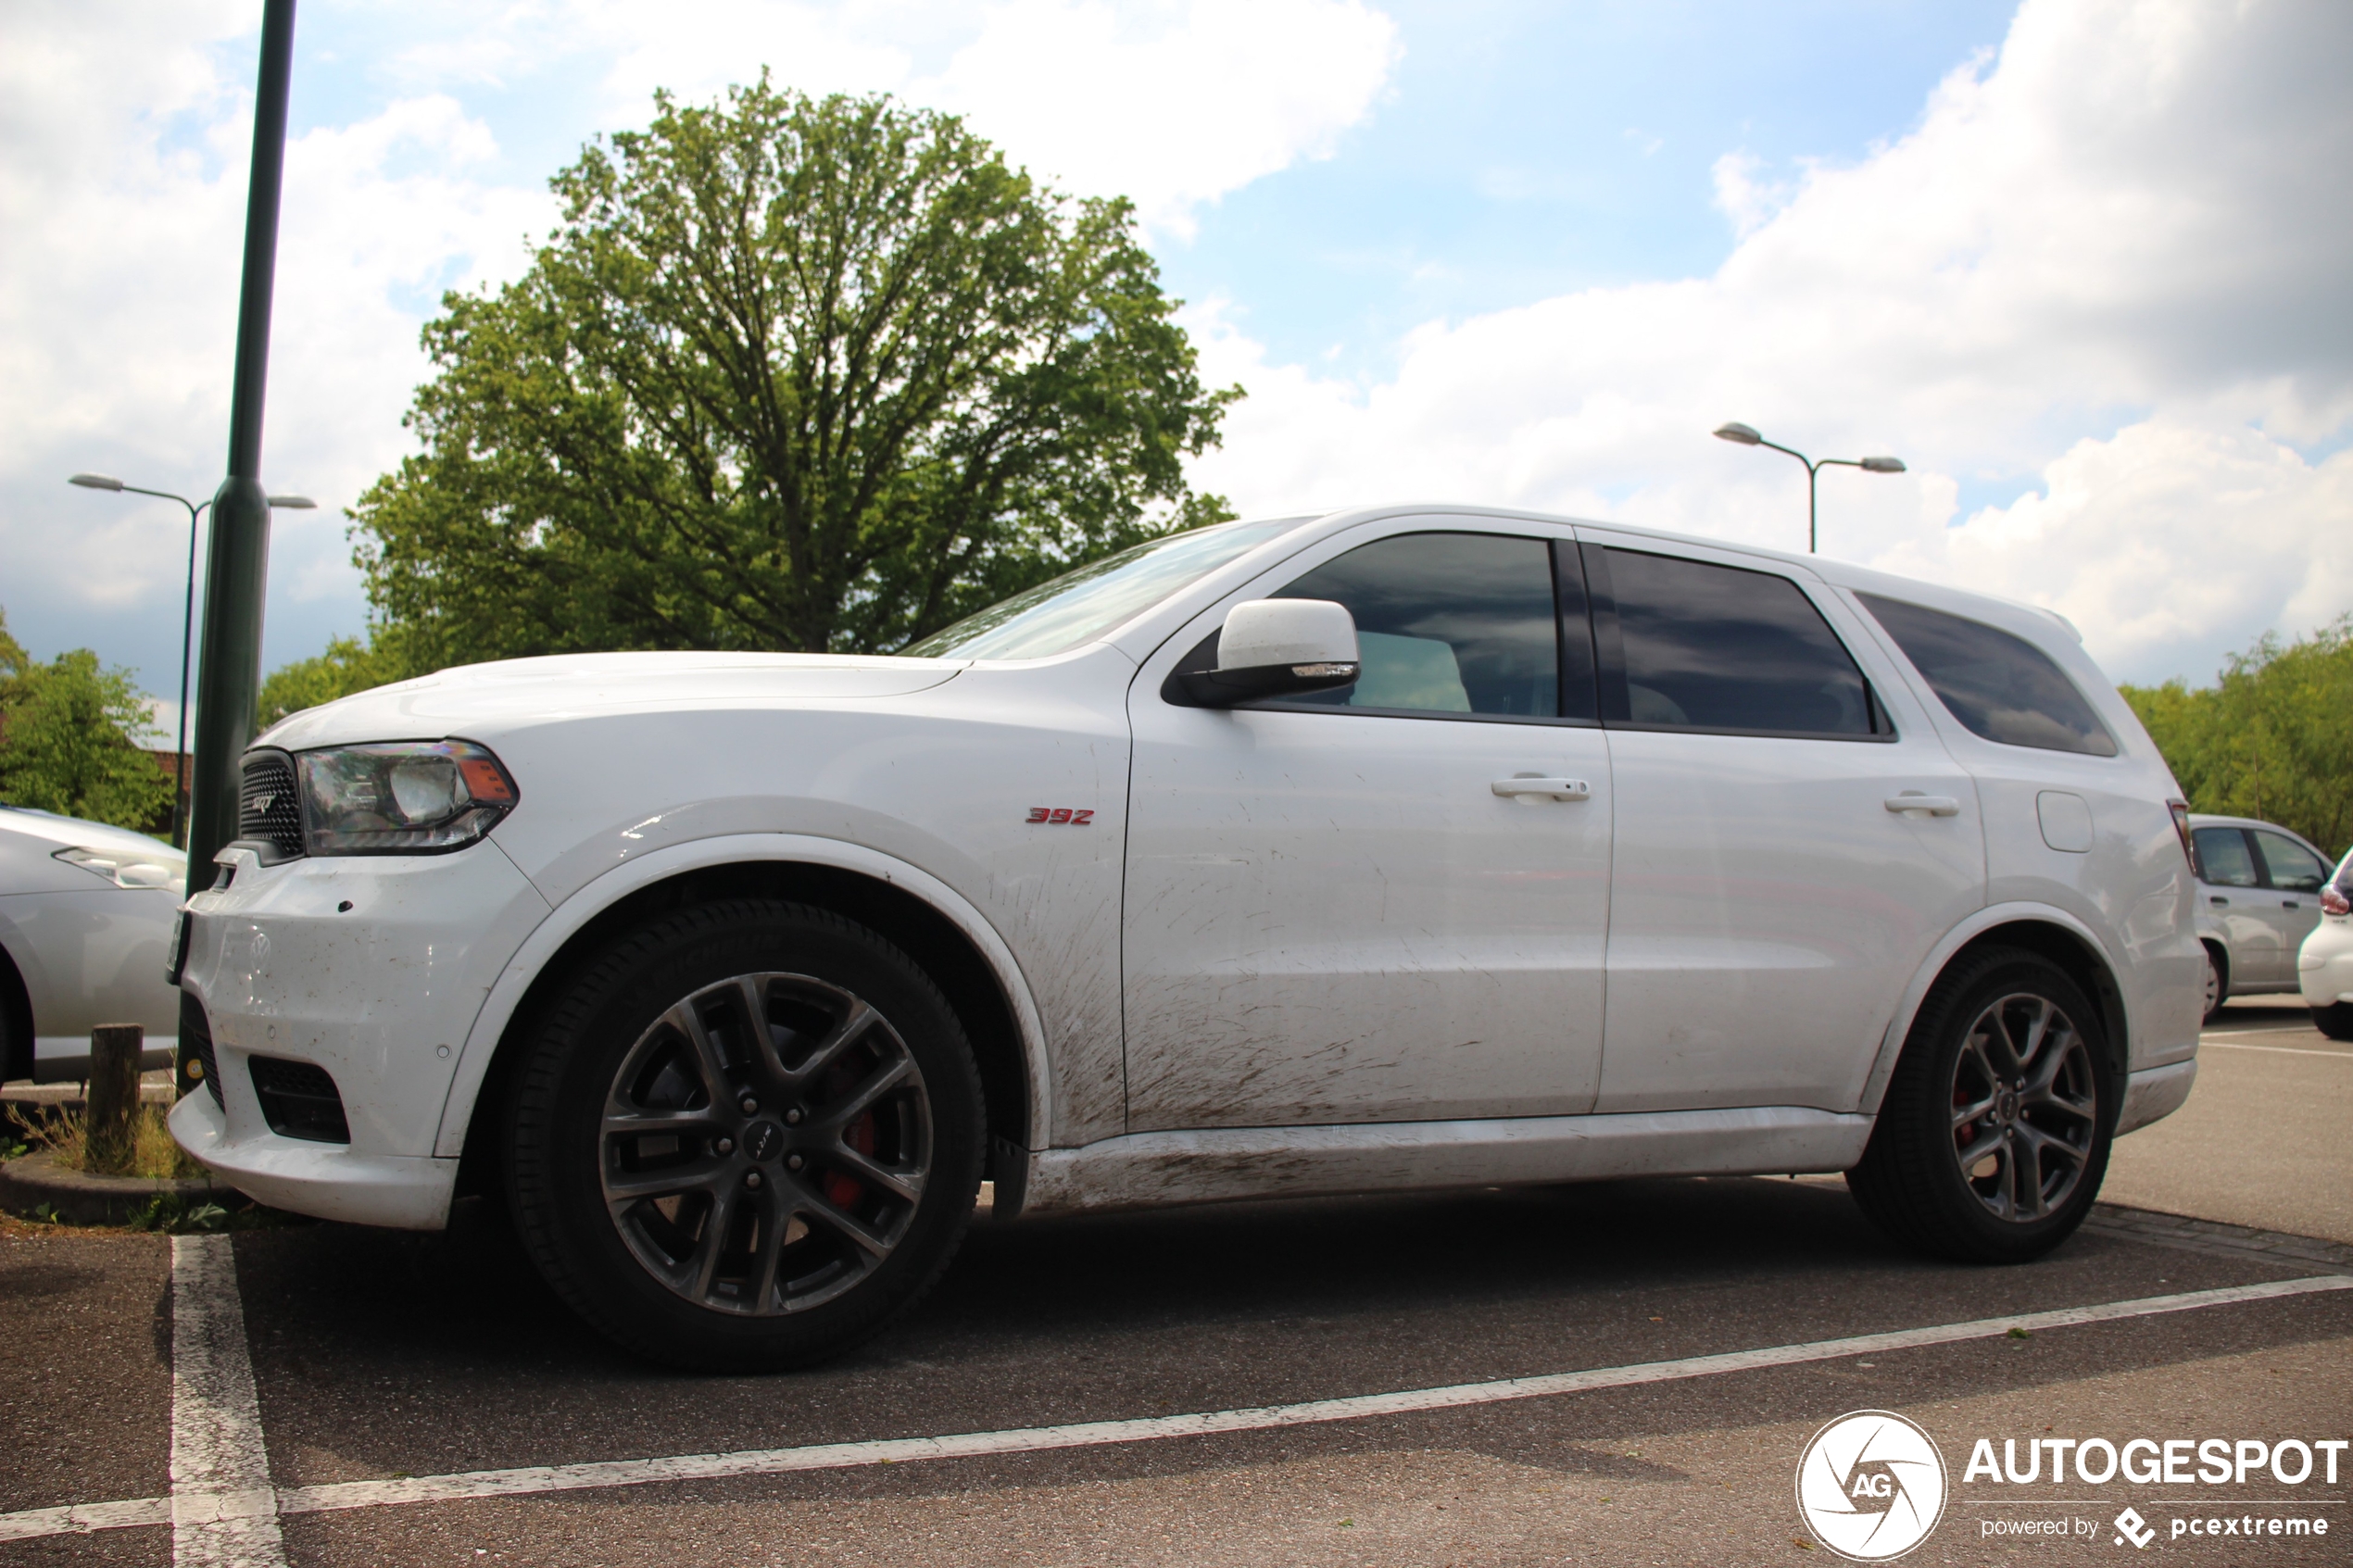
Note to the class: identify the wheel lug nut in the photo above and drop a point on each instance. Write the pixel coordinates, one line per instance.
(726, 1145)
(793, 1162)
(750, 1104)
(752, 1180)
(792, 1118)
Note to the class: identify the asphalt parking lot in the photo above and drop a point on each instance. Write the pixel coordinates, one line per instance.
(424, 1400)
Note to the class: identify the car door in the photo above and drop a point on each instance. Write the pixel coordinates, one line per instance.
(2291, 900)
(2231, 886)
(1770, 897)
(1331, 914)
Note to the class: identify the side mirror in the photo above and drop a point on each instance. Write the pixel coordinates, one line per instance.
(1276, 647)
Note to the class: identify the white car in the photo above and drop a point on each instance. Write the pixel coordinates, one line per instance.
(2259, 896)
(86, 914)
(2324, 962)
(1407, 847)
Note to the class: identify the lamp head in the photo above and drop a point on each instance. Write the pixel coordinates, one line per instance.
(305, 504)
(95, 481)
(1738, 433)
(1882, 465)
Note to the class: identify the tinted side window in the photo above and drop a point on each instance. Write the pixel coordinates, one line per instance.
(2294, 868)
(1999, 686)
(1718, 647)
(1445, 623)
(2223, 853)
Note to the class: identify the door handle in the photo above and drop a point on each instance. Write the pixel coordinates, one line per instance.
(2290, 904)
(1551, 789)
(1934, 805)
(2218, 902)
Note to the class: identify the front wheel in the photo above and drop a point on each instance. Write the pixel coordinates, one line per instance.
(2218, 986)
(743, 1137)
(1993, 1136)
(2335, 1021)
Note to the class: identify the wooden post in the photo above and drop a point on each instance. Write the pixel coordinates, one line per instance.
(115, 1049)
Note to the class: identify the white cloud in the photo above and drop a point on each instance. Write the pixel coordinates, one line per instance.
(2159, 536)
(2112, 258)
(119, 310)
(1174, 103)
(123, 190)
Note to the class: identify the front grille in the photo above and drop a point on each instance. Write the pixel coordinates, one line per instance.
(196, 1034)
(267, 807)
(298, 1100)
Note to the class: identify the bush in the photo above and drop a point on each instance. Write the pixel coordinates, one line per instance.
(2273, 738)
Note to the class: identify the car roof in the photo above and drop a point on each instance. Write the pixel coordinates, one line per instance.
(2018, 616)
(29, 821)
(2208, 819)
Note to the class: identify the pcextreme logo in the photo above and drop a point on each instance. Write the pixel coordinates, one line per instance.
(1870, 1486)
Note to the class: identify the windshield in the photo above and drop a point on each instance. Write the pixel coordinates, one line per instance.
(1079, 605)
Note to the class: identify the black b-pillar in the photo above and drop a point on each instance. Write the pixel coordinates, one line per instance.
(237, 567)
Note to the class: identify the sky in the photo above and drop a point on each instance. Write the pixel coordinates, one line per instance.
(2081, 263)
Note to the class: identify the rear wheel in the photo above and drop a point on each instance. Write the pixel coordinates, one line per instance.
(746, 1136)
(2335, 1021)
(1993, 1136)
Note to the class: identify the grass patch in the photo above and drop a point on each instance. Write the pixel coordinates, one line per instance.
(150, 1152)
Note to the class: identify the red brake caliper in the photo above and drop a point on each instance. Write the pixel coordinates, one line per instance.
(842, 1191)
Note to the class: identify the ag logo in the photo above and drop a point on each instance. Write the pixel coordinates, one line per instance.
(1870, 1486)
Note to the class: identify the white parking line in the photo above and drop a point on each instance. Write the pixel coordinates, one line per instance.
(2276, 1050)
(536, 1479)
(223, 1512)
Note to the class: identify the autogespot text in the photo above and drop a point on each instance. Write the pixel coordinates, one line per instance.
(2153, 1461)
(2160, 1462)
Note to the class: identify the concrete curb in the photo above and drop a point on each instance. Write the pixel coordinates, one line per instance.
(2217, 1237)
(83, 1199)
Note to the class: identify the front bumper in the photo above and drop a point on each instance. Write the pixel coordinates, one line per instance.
(326, 1180)
(371, 969)
(2324, 964)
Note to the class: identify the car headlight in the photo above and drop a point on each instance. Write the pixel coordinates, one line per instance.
(128, 868)
(402, 797)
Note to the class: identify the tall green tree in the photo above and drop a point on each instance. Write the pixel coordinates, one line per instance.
(792, 373)
(69, 734)
(2273, 738)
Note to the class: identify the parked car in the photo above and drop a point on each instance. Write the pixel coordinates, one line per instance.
(2259, 896)
(86, 914)
(2324, 962)
(1397, 848)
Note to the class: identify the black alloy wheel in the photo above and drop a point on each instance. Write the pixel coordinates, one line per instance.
(745, 1136)
(1993, 1136)
(2025, 1106)
(767, 1142)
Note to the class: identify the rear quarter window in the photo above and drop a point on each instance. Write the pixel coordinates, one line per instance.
(1999, 686)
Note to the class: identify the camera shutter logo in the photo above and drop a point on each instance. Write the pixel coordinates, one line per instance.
(1871, 1486)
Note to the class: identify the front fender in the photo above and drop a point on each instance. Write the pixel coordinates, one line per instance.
(573, 914)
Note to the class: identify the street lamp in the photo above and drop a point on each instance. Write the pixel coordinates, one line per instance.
(187, 625)
(1743, 435)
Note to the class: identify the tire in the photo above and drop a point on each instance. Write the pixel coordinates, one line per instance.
(713, 1202)
(2010, 1182)
(2218, 984)
(2335, 1021)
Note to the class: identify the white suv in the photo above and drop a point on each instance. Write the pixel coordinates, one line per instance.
(1397, 848)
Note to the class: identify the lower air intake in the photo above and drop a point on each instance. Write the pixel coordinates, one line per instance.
(196, 1033)
(298, 1101)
